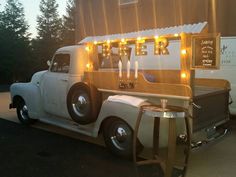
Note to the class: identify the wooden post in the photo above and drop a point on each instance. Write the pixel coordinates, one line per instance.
(171, 148)
(187, 74)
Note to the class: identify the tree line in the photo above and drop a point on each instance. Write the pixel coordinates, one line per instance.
(20, 55)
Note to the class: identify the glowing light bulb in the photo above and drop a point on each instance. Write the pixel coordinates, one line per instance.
(176, 34)
(89, 66)
(183, 75)
(87, 48)
(183, 51)
(108, 41)
(95, 42)
(139, 38)
(122, 40)
(156, 37)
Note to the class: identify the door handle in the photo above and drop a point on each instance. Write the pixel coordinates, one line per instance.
(64, 80)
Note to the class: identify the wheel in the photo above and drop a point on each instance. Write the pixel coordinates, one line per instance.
(83, 103)
(118, 137)
(22, 113)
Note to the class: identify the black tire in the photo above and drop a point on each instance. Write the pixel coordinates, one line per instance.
(83, 103)
(22, 113)
(118, 137)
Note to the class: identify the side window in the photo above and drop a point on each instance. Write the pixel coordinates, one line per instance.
(61, 63)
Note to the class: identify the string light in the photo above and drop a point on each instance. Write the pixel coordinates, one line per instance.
(156, 37)
(183, 51)
(89, 66)
(176, 34)
(87, 48)
(183, 75)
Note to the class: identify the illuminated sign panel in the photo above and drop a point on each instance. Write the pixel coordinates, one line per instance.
(206, 49)
(123, 49)
(106, 49)
(140, 48)
(160, 46)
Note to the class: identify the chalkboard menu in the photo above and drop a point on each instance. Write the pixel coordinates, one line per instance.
(206, 50)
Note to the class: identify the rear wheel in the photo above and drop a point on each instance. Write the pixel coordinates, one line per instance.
(118, 136)
(22, 113)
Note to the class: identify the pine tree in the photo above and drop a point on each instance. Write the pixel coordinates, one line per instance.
(14, 42)
(49, 31)
(68, 33)
(49, 22)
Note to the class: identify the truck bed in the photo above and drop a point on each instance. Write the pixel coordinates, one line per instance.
(213, 104)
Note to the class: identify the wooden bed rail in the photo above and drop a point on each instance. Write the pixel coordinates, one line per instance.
(218, 83)
(109, 80)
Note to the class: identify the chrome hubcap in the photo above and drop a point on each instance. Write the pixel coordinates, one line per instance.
(80, 105)
(121, 137)
(24, 112)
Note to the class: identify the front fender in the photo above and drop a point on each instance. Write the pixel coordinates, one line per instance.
(31, 95)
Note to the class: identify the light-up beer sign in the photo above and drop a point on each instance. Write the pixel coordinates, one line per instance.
(160, 46)
(123, 48)
(106, 49)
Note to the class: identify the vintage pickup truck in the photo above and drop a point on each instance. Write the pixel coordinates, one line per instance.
(74, 93)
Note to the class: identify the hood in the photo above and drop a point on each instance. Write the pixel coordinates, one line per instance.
(37, 77)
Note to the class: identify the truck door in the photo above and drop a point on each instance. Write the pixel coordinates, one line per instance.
(55, 84)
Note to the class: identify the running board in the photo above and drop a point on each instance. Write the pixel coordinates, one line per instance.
(199, 144)
(70, 125)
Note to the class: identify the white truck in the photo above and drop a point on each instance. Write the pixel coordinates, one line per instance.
(74, 92)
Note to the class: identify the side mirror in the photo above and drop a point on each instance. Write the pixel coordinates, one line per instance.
(49, 63)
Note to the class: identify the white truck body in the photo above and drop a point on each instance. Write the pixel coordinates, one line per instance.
(46, 96)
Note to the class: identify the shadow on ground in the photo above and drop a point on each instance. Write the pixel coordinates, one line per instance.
(30, 152)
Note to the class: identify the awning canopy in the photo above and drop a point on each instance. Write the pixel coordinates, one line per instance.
(187, 28)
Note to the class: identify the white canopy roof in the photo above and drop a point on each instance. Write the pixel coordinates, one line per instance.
(187, 28)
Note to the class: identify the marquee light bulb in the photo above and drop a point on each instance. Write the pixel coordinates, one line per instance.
(176, 34)
(139, 38)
